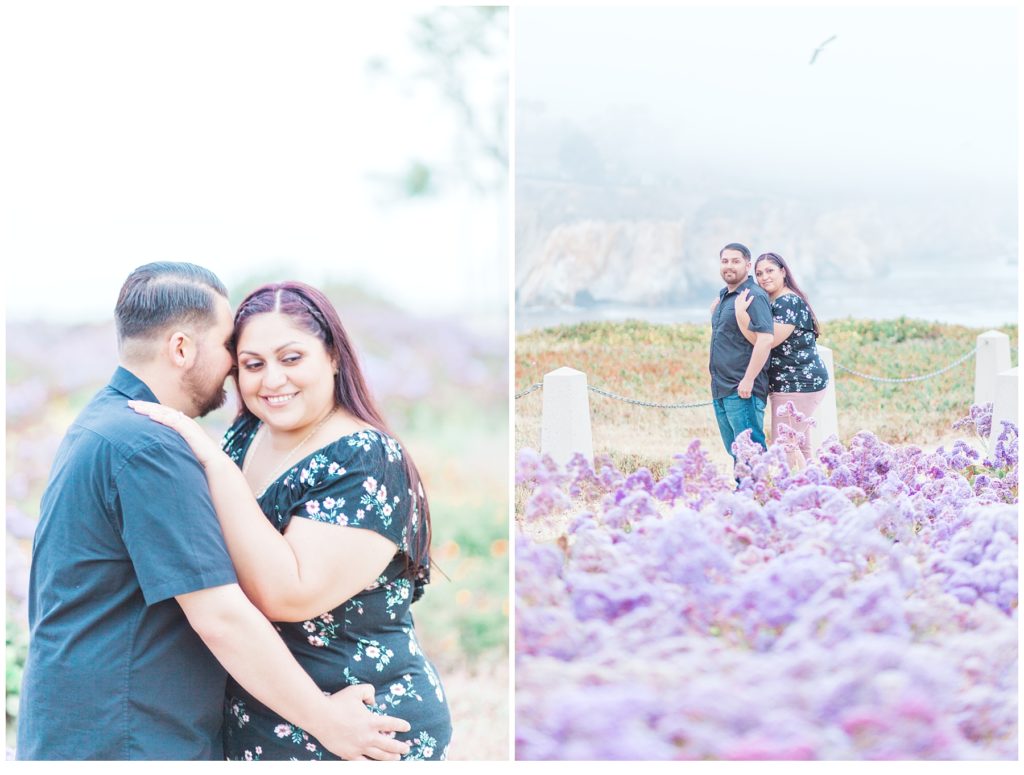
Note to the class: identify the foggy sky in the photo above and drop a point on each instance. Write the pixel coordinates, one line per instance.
(245, 136)
(909, 96)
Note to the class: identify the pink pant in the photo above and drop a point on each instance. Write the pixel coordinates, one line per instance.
(805, 403)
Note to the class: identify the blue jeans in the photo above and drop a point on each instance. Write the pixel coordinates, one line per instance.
(735, 415)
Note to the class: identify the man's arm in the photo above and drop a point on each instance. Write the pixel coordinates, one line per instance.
(762, 347)
(249, 648)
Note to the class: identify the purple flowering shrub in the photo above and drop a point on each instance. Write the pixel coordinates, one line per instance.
(980, 417)
(864, 607)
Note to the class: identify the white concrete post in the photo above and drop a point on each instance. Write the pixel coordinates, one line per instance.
(565, 422)
(993, 357)
(1005, 404)
(826, 418)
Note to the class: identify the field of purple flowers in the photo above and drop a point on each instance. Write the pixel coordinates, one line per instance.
(862, 608)
(442, 384)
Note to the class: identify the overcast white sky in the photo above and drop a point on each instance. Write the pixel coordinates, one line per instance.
(247, 135)
(235, 135)
(921, 91)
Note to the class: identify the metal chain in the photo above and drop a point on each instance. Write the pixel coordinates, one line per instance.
(909, 379)
(646, 403)
(539, 385)
(535, 386)
(599, 391)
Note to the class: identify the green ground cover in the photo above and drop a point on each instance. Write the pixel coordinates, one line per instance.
(668, 364)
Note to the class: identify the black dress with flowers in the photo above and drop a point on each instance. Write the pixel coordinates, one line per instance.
(357, 481)
(794, 366)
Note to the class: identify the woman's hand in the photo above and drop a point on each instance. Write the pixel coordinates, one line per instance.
(205, 448)
(714, 304)
(743, 301)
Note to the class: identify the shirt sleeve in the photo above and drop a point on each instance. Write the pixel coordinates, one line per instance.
(359, 481)
(760, 312)
(170, 528)
(793, 310)
(784, 311)
(803, 314)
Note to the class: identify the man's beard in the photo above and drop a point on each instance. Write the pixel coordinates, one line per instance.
(204, 398)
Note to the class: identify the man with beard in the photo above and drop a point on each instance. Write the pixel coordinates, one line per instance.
(739, 378)
(135, 612)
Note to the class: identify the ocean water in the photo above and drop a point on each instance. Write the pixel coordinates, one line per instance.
(977, 293)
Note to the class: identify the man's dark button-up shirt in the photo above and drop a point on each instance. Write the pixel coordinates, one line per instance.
(730, 351)
(126, 523)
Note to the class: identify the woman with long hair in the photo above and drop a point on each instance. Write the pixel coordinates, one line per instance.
(326, 522)
(795, 370)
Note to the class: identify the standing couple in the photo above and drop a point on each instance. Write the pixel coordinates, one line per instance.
(763, 350)
(161, 561)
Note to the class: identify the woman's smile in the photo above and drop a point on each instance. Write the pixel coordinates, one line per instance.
(278, 399)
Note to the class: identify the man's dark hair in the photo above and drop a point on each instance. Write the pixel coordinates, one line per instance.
(163, 293)
(736, 246)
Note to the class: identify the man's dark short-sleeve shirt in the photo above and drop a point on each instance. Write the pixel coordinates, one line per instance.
(730, 351)
(114, 670)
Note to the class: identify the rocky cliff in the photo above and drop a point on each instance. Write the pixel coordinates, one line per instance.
(577, 245)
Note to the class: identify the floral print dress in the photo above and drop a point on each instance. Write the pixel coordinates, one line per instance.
(359, 481)
(794, 366)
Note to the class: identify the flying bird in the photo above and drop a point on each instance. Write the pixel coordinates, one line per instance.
(819, 48)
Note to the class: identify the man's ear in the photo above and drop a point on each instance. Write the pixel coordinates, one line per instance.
(181, 349)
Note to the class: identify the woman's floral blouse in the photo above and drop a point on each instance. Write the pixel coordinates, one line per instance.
(357, 481)
(794, 366)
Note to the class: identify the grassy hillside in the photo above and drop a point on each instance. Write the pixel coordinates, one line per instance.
(668, 364)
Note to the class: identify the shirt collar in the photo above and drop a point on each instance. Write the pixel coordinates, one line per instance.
(745, 284)
(128, 384)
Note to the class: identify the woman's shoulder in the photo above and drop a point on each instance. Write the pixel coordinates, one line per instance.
(371, 440)
(368, 451)
(368, 448)
(791, 301)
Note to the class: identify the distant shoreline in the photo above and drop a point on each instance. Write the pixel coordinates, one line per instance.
(535, 319)
(963, 292)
